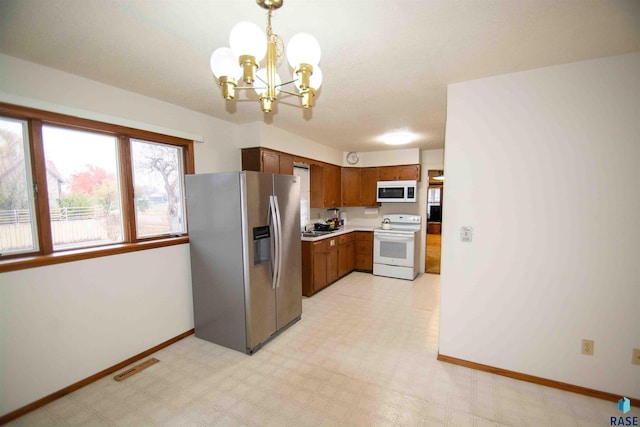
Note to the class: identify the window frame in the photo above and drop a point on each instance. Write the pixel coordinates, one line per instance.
(46, 255)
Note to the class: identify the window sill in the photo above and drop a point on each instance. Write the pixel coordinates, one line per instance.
(88, 253)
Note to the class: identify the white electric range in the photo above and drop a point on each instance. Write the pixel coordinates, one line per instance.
(396, 250)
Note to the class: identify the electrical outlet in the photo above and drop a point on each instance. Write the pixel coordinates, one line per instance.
(636, 356)
(587, 347)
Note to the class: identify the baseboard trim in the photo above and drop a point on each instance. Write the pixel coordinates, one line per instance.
(537, 380)
(95, 377)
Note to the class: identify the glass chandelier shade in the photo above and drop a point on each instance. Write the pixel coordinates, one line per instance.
(224, 66)
(303, 48)
(249, 46)
(225, 63)
(246, 38)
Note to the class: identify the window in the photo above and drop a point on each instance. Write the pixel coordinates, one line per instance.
(76, 188)
(18, 232)
(83, 189)
(158, 185)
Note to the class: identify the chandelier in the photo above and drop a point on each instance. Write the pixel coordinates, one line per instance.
(249, 46)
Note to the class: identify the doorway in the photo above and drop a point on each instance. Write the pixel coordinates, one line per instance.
(435, 193)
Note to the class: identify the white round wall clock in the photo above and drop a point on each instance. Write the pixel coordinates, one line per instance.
(352, 158)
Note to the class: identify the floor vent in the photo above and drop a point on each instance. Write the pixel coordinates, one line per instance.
(138, 368)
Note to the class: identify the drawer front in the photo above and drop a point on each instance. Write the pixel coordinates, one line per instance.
(319, 247)
(345, 238)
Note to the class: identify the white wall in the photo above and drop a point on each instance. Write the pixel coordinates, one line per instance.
(60, 324)
(544, 165)
(63, 323)
(400, 156)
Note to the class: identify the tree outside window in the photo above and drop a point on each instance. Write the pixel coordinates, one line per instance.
(17, 225)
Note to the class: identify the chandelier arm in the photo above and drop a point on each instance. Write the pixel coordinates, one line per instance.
(287, 83)
(246, 87)
(291, 93)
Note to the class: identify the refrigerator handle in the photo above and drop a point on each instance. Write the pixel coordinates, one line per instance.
(276, 253)
(278, 240)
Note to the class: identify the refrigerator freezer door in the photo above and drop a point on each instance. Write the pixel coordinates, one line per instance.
(289, 292)
(259, 294)
(217, 268)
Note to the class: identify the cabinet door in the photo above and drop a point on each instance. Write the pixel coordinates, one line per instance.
(316, 183)
(346, 254)
(286, 164)
(350, 249)
(270, 162)
(307, 269)
(343, 269)
(331, 186)
(409, 172)
(368, 186)
(319, 265)
(332, 261)
(388, 173)
(351, 183)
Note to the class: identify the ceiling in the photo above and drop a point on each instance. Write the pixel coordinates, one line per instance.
(386, 64)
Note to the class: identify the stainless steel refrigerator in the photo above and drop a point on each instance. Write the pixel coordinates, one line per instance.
(244, 233)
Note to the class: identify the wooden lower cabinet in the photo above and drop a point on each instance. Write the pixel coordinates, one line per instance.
(364, 250)
(325, 261)
(346, 254)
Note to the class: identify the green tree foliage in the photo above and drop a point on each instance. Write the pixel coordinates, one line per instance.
(74, 200)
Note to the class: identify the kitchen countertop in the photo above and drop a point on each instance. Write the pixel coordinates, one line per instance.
(343, 230)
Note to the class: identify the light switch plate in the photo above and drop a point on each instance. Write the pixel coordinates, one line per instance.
(636, 356)
(466, 234)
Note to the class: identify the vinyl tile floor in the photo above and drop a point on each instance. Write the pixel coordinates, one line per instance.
(364, 354)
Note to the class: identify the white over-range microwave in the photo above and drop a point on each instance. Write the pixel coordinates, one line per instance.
(397, 191)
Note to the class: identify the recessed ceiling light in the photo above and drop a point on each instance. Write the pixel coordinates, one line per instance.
(398, 137)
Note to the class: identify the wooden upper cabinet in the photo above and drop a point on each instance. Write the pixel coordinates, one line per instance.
(359, 186)
(286, 164)
(409, 172)
(316, 184)
(262, 160)
(326, 186)
(270, 162)
(351, 186)
(332, 184)
(368, 186)
(399, 173)
(387, 173)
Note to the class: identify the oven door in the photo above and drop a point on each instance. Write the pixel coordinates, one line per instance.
(393, 248)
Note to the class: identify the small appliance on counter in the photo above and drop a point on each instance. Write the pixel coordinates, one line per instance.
(334, 216)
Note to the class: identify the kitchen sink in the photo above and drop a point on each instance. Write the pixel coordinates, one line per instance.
(317, 233)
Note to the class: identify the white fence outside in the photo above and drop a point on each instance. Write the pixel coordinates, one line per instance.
(76, 226)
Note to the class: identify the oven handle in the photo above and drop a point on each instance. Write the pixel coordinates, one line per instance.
(394, 238)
